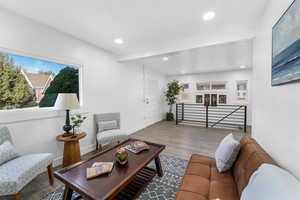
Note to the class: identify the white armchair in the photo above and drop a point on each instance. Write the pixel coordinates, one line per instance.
(19, 171)
(108, 129)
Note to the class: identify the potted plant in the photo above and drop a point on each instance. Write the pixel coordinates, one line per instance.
(171, 94)
(77, 120)
(121, 156)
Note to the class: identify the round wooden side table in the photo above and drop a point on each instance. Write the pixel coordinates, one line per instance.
(71, 148)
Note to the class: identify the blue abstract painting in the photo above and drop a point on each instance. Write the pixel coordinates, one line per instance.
(286, 47)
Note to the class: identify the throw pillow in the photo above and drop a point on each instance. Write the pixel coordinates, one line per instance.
(226, 153)
(107, 125)
(271, 182)
(7, 152)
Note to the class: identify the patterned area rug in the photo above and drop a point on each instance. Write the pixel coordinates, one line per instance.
(160, 188)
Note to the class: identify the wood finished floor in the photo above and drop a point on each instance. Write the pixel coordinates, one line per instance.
(181, 141)
(184, 140)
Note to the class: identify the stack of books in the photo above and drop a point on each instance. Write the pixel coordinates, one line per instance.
(137, 146)
(99, 168)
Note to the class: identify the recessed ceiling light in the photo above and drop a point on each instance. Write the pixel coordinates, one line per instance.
(209, 16)
(119, 41)
(165, 58)
(242, 66)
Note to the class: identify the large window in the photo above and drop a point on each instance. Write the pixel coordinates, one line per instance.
(29, 82)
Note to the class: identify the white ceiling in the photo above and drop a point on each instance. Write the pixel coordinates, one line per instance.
(148, 27)
(221, 57)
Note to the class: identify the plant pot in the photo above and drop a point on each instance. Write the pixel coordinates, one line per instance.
(169, 116)
(122, 162)
(121, 156)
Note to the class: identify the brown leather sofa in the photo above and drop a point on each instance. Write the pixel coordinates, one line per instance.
(202, 181)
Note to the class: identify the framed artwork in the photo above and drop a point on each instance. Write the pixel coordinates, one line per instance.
(185, 86)
(199, 99)
(33, 82)
(222, 99)
(184, 96)
(242, 91)
(218, 86)
(286, 46)
(203, 86)
(214, 99)
(207, 99)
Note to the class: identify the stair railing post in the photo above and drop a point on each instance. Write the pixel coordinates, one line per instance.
(245, 119)
(182, 112)
(206, 116)
(176, 114)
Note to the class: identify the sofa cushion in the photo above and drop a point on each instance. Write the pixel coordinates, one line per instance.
(199, 169)
(203, 159)
(184, 195)
(195, 184)
(203, 181)
(271, 182)
(7, 152)
(224, 186)
(16, 173)
(226, 153)
(251, 157)
(223, 190)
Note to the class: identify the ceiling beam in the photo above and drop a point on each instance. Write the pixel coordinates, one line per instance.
(188, 45)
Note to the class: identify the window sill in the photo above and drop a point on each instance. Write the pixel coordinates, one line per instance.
(30, 114)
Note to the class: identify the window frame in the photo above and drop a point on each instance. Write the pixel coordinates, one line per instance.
(35, 113)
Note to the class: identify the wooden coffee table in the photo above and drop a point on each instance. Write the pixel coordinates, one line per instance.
(124, 182)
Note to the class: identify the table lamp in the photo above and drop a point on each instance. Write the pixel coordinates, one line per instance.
(67, 101)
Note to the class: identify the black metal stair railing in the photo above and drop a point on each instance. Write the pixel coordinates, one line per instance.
(220, 116)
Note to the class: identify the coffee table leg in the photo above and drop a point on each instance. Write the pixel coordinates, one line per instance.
(68, 193)
(158, 167)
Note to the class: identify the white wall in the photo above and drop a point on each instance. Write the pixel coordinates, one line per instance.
(229, 77)
(107, 86)
(275, 109)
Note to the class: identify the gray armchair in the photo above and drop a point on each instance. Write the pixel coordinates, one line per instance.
(108, 129)
(19, 171)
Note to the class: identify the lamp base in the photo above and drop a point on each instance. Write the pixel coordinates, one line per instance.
(67, 127)
(67, 134)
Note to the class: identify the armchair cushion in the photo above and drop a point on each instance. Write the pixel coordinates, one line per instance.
(111, 136)
(7, 152)
(107, 125)
(16, 173)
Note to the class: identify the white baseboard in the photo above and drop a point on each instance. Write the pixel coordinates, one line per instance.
(132, 131)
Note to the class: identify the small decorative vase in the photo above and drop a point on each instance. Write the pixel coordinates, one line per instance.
(121, 156)
(76, 130)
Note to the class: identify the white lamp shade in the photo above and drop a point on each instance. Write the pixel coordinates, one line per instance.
(66, 101)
